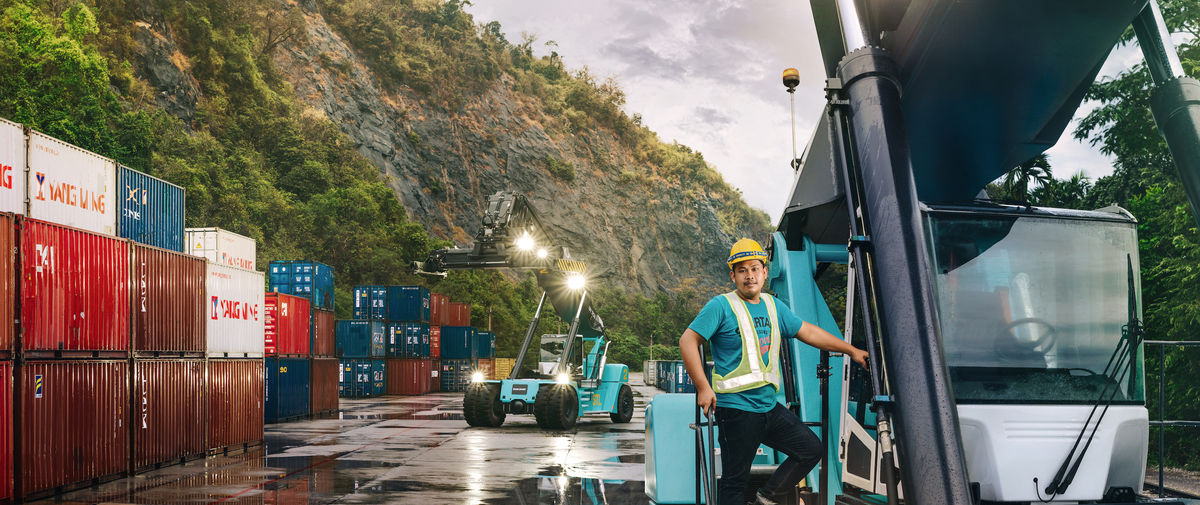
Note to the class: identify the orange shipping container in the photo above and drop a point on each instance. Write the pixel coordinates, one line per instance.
(235, 402)
(168, 411)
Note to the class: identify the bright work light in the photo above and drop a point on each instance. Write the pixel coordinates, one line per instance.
(477, 377)
(525, 243)
(563, 378)
(575, 281)
(542, 254)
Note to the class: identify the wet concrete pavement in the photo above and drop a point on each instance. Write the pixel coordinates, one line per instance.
(408, 450)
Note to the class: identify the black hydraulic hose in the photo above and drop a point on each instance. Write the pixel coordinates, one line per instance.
(843, 157)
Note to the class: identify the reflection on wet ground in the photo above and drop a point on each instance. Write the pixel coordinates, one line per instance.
(407, 450)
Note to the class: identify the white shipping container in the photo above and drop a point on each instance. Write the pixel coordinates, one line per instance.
(71, 186)
(235, 312)
(12, 167)
(221, 246)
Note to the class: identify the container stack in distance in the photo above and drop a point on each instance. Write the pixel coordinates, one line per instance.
(405, 312)
(302, 374)
(458, 347)
(670, 375)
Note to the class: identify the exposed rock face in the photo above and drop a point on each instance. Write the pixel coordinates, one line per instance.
(443, 164)
(162, 64)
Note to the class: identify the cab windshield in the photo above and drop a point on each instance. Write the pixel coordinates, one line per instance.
(1032, 308)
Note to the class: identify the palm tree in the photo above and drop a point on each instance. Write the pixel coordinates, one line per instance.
(1017, 181)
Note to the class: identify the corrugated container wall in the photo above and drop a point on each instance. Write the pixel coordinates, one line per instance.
(435, 341)
(150, 209)
(6, 430)
(12, 167)
(286, 326)
(73, 422)
(362, 378)
(370, 302)
(437, 308)
(168, 301)
(235, 312)
(222, 247)
(168, 411)
(408, 376)
(408, 340)
(8, 280)
(360, 339)
(324, 342)
(458, 314)
(485, 366)
(485, 344)
(324, 385)
(287, 388)
(74, 289)
(435, 376)
(71, 186)
(458, 342)
(408, 303)
(235, 402)
(309, 279)
(456, 374)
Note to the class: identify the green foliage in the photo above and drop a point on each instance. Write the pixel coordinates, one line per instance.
(564, 170)
(1146, 182)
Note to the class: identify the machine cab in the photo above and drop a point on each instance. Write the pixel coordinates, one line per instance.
(1034, 307)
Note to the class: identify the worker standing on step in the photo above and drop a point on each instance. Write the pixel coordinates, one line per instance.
(744, 329)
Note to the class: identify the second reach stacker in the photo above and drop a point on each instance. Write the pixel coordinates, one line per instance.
(558, 394)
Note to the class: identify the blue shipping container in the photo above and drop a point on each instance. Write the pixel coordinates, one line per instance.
(360, 339)
(357, 378)
(287, 388)
(456, 374)
(485, 344)
(458, 342)
(408, 303)
(308, 279)
(408, 340)
(378, 377)
(149, 210)
(370, 302)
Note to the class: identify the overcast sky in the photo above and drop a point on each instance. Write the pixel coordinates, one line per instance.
(707, 73)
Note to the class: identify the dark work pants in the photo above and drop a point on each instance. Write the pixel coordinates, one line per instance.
(740, 435)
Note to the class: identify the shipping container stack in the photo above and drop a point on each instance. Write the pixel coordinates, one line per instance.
(314, 282)
(485, 353)
(360, 351)
(288, 365)
(458, 347)
(234, 341)
(437, 318)
(409, 366)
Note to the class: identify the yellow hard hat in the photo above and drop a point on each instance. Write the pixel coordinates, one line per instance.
(746, 249)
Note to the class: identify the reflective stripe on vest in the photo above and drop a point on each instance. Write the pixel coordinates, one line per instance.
(751, 372)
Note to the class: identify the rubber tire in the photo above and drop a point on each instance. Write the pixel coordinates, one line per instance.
(624, 406)
(488, 408)
(471, 403)
(556, 407)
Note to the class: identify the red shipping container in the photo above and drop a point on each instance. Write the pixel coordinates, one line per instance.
(6, 430)
(487, 367)
(73, 424)
(287, 324)
(435, 379)
(435, 341)
(437, 307)
(168, 300)
(168, 411)
(235, 402)
(408, 376)
(458, 314)
(74, 289)
(323, 343)
(8, 281)
(324, 386)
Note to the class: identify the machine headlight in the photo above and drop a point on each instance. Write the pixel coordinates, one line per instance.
(563, 378)
(575, 281)
(525, 243)
(542, 253)
(477, 377)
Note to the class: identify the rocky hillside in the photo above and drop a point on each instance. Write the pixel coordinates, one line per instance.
(645, 215)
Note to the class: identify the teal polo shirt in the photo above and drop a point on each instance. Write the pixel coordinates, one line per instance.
(717, 324)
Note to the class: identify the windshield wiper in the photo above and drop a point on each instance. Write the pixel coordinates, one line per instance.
(1126, 350)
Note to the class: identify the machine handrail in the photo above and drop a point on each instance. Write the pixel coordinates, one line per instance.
(1162, 423)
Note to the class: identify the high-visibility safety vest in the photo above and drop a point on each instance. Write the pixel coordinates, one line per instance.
(751, 372)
